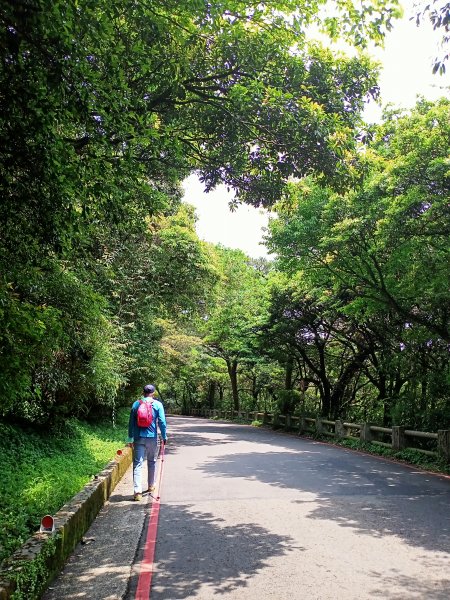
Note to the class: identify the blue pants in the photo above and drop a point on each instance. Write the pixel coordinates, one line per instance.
(144, 448)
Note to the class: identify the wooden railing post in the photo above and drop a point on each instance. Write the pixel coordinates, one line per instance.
(339, 429)
(398, 438)
(443, 444)
(365, 435)
(288, 422)
(319, 426)
(301, 425)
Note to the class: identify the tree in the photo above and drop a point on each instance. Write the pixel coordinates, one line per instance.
(382, 246)
(231, 327)
(377, 258)
(329, 348)
(105, 102)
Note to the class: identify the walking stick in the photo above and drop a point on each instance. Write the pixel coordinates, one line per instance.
(163, 447)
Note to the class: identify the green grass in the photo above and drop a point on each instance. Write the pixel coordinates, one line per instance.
(41, 471)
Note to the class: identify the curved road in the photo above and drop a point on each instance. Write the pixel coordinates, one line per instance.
(251, 514)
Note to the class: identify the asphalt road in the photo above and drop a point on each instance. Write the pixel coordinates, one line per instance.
(252, 514)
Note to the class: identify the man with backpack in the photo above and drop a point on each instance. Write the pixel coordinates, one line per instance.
(145, 417)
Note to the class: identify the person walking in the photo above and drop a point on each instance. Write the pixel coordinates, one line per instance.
(146, 415)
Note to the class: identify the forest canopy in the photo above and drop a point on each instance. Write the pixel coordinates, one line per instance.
(107, 106)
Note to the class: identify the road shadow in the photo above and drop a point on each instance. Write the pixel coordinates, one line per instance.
(197, 550)
(119, 498)
(370, 496)
(398, 586)
(178, 441)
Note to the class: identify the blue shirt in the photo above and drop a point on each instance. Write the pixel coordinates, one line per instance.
(159, 419)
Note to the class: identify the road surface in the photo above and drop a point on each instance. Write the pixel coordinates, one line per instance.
(252, 514)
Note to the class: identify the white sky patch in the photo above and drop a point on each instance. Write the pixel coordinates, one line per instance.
(242, 229)
(407, 60)
(406, 73)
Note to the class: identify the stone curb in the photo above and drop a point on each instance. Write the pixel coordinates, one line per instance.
(71, 522)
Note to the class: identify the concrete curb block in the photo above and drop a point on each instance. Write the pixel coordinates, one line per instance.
(43, 555)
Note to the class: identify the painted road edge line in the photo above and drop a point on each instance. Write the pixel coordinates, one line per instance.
(146, 570)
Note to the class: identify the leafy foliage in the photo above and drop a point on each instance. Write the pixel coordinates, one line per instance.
(232, 325)
(43, 470)
(375, 244)
(105, 108)
(373, 264)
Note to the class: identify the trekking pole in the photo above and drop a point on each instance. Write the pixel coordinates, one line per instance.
(163, 447)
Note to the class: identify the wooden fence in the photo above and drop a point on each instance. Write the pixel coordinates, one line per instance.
(397, 438)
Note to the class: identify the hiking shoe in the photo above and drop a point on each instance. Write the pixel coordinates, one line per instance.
(137, 497)
(150, 490)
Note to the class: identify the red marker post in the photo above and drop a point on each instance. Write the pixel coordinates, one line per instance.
(47, 524)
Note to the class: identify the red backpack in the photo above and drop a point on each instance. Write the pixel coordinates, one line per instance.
(144, 414)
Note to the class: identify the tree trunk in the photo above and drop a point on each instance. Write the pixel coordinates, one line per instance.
(255, 393)
(344, 380)
(211, 393)
(325, 396)
(232, 366)
(383, 398)
(288, 373)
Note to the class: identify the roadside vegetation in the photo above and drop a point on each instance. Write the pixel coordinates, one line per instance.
(42, 470)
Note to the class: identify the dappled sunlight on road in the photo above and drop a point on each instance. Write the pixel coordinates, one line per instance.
(351, 490)
(244, 548)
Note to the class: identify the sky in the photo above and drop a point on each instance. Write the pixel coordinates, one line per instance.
(406, 72)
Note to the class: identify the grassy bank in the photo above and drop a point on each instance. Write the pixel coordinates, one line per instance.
(41, 471)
